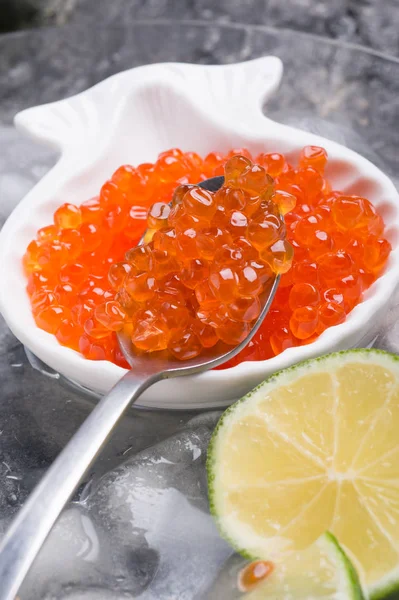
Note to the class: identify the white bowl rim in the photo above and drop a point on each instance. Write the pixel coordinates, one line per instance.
(46, 347)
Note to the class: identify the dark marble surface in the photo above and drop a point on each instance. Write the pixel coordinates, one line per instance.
(344, 93)
(372, 23)
(345, 86)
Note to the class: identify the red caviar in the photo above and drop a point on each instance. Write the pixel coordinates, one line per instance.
(253, 574)
(181, 300)
(210, 256)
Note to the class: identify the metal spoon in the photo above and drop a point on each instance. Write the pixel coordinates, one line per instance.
(33, 523)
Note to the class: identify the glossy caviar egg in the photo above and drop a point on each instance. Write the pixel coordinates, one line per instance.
(67, 216)
(304, 321)
(158, 214)
(207, 256)
(313, 156)
(200, 203)
(273, 162)
(303, 294)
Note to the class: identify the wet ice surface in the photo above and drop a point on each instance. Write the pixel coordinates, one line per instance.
(143, 529)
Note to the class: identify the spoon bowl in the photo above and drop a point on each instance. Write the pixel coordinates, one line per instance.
(209, 357)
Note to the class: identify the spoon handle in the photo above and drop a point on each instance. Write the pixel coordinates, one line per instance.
(34, 521)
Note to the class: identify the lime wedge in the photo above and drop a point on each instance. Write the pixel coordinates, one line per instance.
(321, 571)
(314, 448)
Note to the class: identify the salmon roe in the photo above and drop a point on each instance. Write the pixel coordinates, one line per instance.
(253, 574)
(206, 255)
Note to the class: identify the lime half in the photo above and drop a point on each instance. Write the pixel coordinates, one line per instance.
(314, 448)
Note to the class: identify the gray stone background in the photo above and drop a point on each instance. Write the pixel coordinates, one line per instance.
(372, 23)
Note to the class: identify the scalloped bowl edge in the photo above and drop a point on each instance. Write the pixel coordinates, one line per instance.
(214, 388)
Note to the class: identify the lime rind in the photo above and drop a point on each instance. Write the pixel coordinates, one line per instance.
(387, 588)
(354, 588)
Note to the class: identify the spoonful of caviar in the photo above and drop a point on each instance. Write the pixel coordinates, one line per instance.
(190, 297)
(206, 259)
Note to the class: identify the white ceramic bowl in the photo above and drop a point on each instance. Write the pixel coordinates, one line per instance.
(130, 118)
